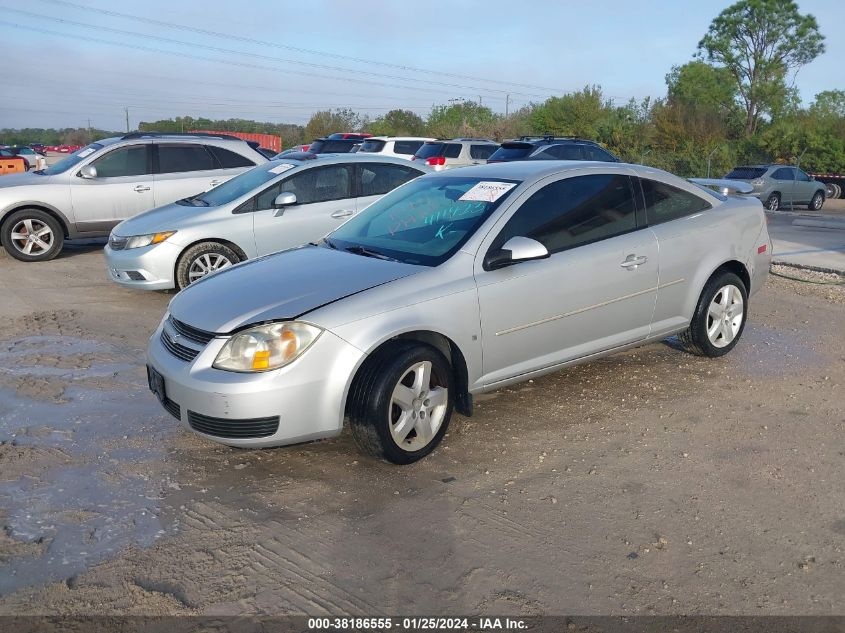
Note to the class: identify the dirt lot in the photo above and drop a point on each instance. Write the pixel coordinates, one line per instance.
(648, 482)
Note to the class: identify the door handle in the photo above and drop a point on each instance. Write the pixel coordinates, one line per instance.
(343, 213)
(141, 188)
(632, 261)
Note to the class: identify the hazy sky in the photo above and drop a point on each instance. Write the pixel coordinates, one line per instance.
(280, 60)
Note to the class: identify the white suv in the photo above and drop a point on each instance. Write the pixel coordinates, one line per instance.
(456, 152)
(90, 191)
(397, 146)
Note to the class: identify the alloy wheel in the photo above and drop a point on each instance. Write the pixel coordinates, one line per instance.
(207, 264)
(725, 315)
(32, 237)
(418, 407)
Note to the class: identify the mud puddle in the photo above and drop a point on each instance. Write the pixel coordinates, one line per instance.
(80, 477)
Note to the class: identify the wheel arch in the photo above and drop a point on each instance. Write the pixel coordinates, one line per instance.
(40, 206)
(442, 343)
(732, 266)
(219, 240)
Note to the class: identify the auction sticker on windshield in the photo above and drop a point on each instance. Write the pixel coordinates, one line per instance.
(488, 191)
(280, 169)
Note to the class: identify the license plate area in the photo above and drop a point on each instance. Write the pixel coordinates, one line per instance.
(156, 383)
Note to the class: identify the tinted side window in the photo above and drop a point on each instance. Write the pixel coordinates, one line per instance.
(567, 152)
(453, 150)
(482, 152)
(801, 175)
(407, 147)
(784, 173)
(595, 153)
(229, 159)
(333, 182)
(337, 147)
(574, 211)
(175, 159)
(126, 161)
(664, 202)
(378, 179)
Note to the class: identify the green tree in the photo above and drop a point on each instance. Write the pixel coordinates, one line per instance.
(698, 83)
(466, 118)
(398, 123)
(574, 114)
(759, 42)
(327, 122)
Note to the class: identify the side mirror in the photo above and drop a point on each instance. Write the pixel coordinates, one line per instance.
(284, 199)
(515, 250)
(88, 172)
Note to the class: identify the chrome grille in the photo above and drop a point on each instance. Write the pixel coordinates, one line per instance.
(177, 349)
(191, 333)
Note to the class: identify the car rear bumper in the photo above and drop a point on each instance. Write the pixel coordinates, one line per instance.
(300, 402)
(147, 268)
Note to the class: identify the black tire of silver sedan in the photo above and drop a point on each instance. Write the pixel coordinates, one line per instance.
(32, 235)
(773, 202)
(719, 318)
(202, 259)
(817, 202)
(401, 402)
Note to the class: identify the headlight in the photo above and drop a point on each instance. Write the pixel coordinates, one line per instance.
(266, 347)
(137, 241)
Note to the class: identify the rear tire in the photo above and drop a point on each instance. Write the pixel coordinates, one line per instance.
(719, 318)
(203, 259)
(46, 243)
(773, 202)
(817, 202)
(401, 401)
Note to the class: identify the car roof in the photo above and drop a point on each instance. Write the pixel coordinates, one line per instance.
(400, 138)
(333, 159)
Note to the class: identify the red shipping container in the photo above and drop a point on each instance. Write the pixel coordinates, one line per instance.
(265, 140)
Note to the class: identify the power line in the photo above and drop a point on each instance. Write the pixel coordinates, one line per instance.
(228, 51)
(297, 49)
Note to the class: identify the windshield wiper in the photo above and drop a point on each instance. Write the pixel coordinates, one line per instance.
(194, 201)
(368, 252)
(327, 242)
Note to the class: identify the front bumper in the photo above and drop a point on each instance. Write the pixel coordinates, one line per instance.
(148, 268)
(307, 396)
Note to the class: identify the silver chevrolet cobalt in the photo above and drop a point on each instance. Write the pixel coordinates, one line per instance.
(454, 284)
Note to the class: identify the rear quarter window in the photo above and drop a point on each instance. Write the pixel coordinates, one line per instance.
(407, 147)
(481, 152)
(512, 152)
(664, 203)
(453, 150)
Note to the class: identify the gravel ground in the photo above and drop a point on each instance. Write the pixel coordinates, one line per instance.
(649, 482)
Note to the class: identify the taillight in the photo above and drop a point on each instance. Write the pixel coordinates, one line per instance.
(436, 160)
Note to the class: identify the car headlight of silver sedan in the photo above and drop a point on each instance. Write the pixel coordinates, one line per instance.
(137, 241)
(266, 347)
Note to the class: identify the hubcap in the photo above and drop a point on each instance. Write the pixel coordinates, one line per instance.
(417, 407)
(774, 203)
(32, 237)
(725, 315)
(206, 264)
(817, 202)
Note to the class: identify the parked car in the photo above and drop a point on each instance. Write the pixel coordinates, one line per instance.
(271, 207)
(348, 135)
(398, 146)
(551, 148)
(93, 189)
(458, 152)
(455, 284)
(330, 145)
(779, 185)
(35, 160)
(39, 147)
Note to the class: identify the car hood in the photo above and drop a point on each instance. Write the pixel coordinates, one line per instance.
(169, 217)
(23, 178)
(282, 286)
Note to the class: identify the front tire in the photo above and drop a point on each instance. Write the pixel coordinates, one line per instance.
(773, 202)
(401, 402)
(719, 318)
(32, 235)
(817, 202)
(203, 259)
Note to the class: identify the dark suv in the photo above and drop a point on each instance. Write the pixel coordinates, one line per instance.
(551, 148)
(329, 145)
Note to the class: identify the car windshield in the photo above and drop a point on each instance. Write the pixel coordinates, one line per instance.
(746, 173)
(371, 145)
(240, 185)
(69, 161)
(423, 222)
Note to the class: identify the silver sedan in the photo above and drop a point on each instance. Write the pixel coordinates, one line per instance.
(455, 284)
(277, 205)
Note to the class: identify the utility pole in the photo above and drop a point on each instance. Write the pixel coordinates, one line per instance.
(126, 109)
(89, 131)
(709, 157)
(479, 99)
(507, 103)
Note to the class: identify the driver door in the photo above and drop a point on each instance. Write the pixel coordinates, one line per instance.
(324, 200)
(589, 295)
